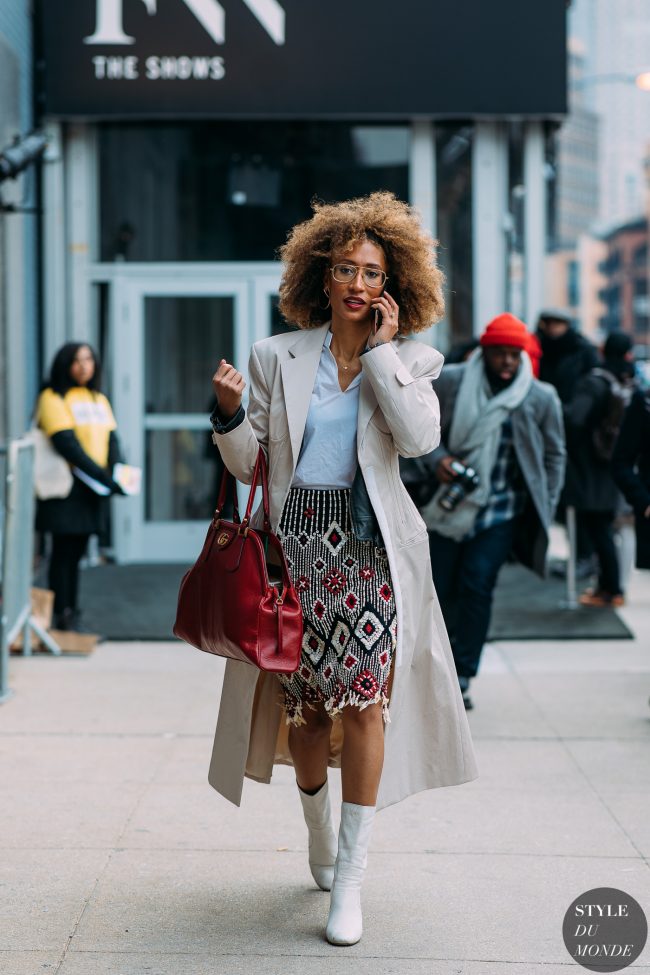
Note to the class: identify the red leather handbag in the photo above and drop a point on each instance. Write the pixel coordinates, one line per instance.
(238, 600)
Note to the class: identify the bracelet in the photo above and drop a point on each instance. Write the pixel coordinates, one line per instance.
(369, 348)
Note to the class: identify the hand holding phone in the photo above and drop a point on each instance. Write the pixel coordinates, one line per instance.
(386, 322)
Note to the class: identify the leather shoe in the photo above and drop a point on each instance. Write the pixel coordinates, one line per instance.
(600, 598)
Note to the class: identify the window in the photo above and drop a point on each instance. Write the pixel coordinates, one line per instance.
(230, 191)
(573, 283)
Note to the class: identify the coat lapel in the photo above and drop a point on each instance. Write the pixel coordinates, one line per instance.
(367, 406)
(298, 378)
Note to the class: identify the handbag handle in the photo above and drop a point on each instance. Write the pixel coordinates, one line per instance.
(226, 480)
(259, 473)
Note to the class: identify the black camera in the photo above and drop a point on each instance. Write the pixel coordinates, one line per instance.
(465, 481)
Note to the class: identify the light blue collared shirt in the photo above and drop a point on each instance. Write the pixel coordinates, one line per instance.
(328, 455)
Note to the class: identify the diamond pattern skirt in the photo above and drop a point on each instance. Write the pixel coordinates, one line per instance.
(348, 606)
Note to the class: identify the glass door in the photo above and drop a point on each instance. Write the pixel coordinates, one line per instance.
(170, 333)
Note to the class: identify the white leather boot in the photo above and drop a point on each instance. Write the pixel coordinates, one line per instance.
(345, 925)
(322, 838)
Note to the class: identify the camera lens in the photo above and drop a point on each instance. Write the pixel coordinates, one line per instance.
(465, 481)
(452, 497)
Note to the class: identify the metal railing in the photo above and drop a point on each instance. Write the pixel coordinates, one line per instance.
(571, 601)
(16, 554)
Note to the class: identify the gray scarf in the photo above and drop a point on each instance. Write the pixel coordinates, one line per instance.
(474, 437)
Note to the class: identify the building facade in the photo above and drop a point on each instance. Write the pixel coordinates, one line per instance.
(573, 277)
(19, 335)
(185, 142)
(576, 161)
(625, 287)
(616, 41)
(575, 282)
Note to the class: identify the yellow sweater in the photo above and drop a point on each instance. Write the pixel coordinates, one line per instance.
(89, 414)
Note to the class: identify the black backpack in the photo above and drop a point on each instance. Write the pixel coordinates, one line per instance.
(605, 433)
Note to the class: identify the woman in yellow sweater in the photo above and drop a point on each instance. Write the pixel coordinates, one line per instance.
(79, 421)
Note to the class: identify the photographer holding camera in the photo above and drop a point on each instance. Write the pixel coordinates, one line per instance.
(499, 471)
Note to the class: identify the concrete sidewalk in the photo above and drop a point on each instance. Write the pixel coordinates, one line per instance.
(118, 859)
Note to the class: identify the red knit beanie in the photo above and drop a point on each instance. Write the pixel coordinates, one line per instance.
(506, 330)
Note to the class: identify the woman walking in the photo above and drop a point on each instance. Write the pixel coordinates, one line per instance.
(79, 421)
(333, 406)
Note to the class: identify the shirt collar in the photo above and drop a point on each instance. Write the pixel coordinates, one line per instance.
(326, 345)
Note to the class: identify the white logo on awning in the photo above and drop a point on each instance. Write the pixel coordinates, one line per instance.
(209, 13)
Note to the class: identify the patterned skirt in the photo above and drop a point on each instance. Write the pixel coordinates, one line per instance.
(346, 594)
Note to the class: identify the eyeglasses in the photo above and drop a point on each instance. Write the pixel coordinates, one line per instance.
(373, 277)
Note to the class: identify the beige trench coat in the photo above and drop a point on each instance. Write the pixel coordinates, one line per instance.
(427, 742)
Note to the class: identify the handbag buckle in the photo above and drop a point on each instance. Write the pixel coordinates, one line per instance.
(223, 538)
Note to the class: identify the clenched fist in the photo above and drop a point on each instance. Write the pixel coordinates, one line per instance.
(228, 385)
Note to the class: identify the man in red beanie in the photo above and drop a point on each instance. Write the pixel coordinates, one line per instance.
(500, 469)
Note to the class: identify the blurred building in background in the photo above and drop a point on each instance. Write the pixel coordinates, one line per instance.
(186, 138)
(596, 268)
(625, 280)
(577, 159)
(575, 281)
(615, 42)
(572, 263)
(19, 333)
(617, 49)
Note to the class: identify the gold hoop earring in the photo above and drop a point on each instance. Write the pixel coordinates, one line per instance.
(327, 295)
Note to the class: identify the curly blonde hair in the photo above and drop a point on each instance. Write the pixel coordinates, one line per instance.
(414, 280)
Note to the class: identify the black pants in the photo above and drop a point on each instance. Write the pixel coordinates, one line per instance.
(598, 525)
(465, 575)
(67, 552)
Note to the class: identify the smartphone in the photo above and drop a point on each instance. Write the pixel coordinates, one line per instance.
(377, 324)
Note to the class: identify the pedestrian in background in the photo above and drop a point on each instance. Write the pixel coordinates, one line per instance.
(333, 405)
(77, 417)
(461, 351)
(592, 420)
(566, 356)
(500, 469)
(631, 470)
